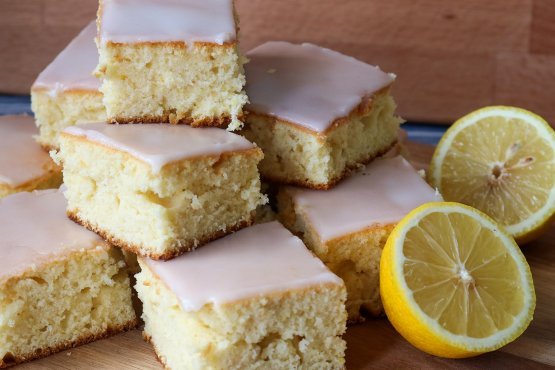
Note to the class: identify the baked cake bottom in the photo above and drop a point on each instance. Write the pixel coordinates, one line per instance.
(179, 247)
(177, 87)
(295, 155)
(10, 360)
(176, 119)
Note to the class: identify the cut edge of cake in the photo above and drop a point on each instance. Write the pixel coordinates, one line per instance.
(271, 299)
(194, 113)
(180, 246)
(232, 120)
(183, 247)
(363, 110)
(74, 105)
(36, 273)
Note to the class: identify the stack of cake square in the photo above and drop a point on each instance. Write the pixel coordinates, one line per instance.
(156, 180)
(160, 190)
(152, 168)
(60, 284)
(322, 118)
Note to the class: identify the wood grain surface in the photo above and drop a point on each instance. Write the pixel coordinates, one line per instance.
(450, 56)
(374, 344)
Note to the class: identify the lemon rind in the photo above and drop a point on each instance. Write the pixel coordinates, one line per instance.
(459, 345)
(537, 219)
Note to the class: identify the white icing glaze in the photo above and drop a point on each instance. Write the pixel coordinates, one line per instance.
(34, 229)
(72, 69)
(308, 85)
(382, 193)
(160, 144)
(188, 21)
(22, 158)
(255, 261)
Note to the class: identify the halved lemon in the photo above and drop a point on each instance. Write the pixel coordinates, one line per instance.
(453, 283)
(500, 160)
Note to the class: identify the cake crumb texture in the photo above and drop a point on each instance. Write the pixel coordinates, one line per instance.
(160, 215)
(355, 258)
(199, 84)
(72, 300)
(294, 155)
(54, 112)
(297, 329)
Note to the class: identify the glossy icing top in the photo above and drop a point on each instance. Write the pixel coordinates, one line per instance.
(382, 193)
(34, 229)
(188, 21)
(308, 85)
(22, 159)
(252, 262)
(160, 144)
(72, 69)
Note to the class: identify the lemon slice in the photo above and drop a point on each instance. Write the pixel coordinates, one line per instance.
(500, 160)
(453, 283)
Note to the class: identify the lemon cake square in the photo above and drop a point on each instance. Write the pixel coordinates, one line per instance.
(316, 113)
(159, 190)
(60, 284)
(24, 165)
(171, 61)
(66, 92)
(347, 226)
(256, 299)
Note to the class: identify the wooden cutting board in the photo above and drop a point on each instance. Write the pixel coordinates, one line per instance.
(374, 344)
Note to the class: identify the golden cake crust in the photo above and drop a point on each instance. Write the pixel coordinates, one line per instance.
(382, 231)
(363, 109)
(220, 122)
(44, 352)
(185, 247)
(147, 338)
(48, 147)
